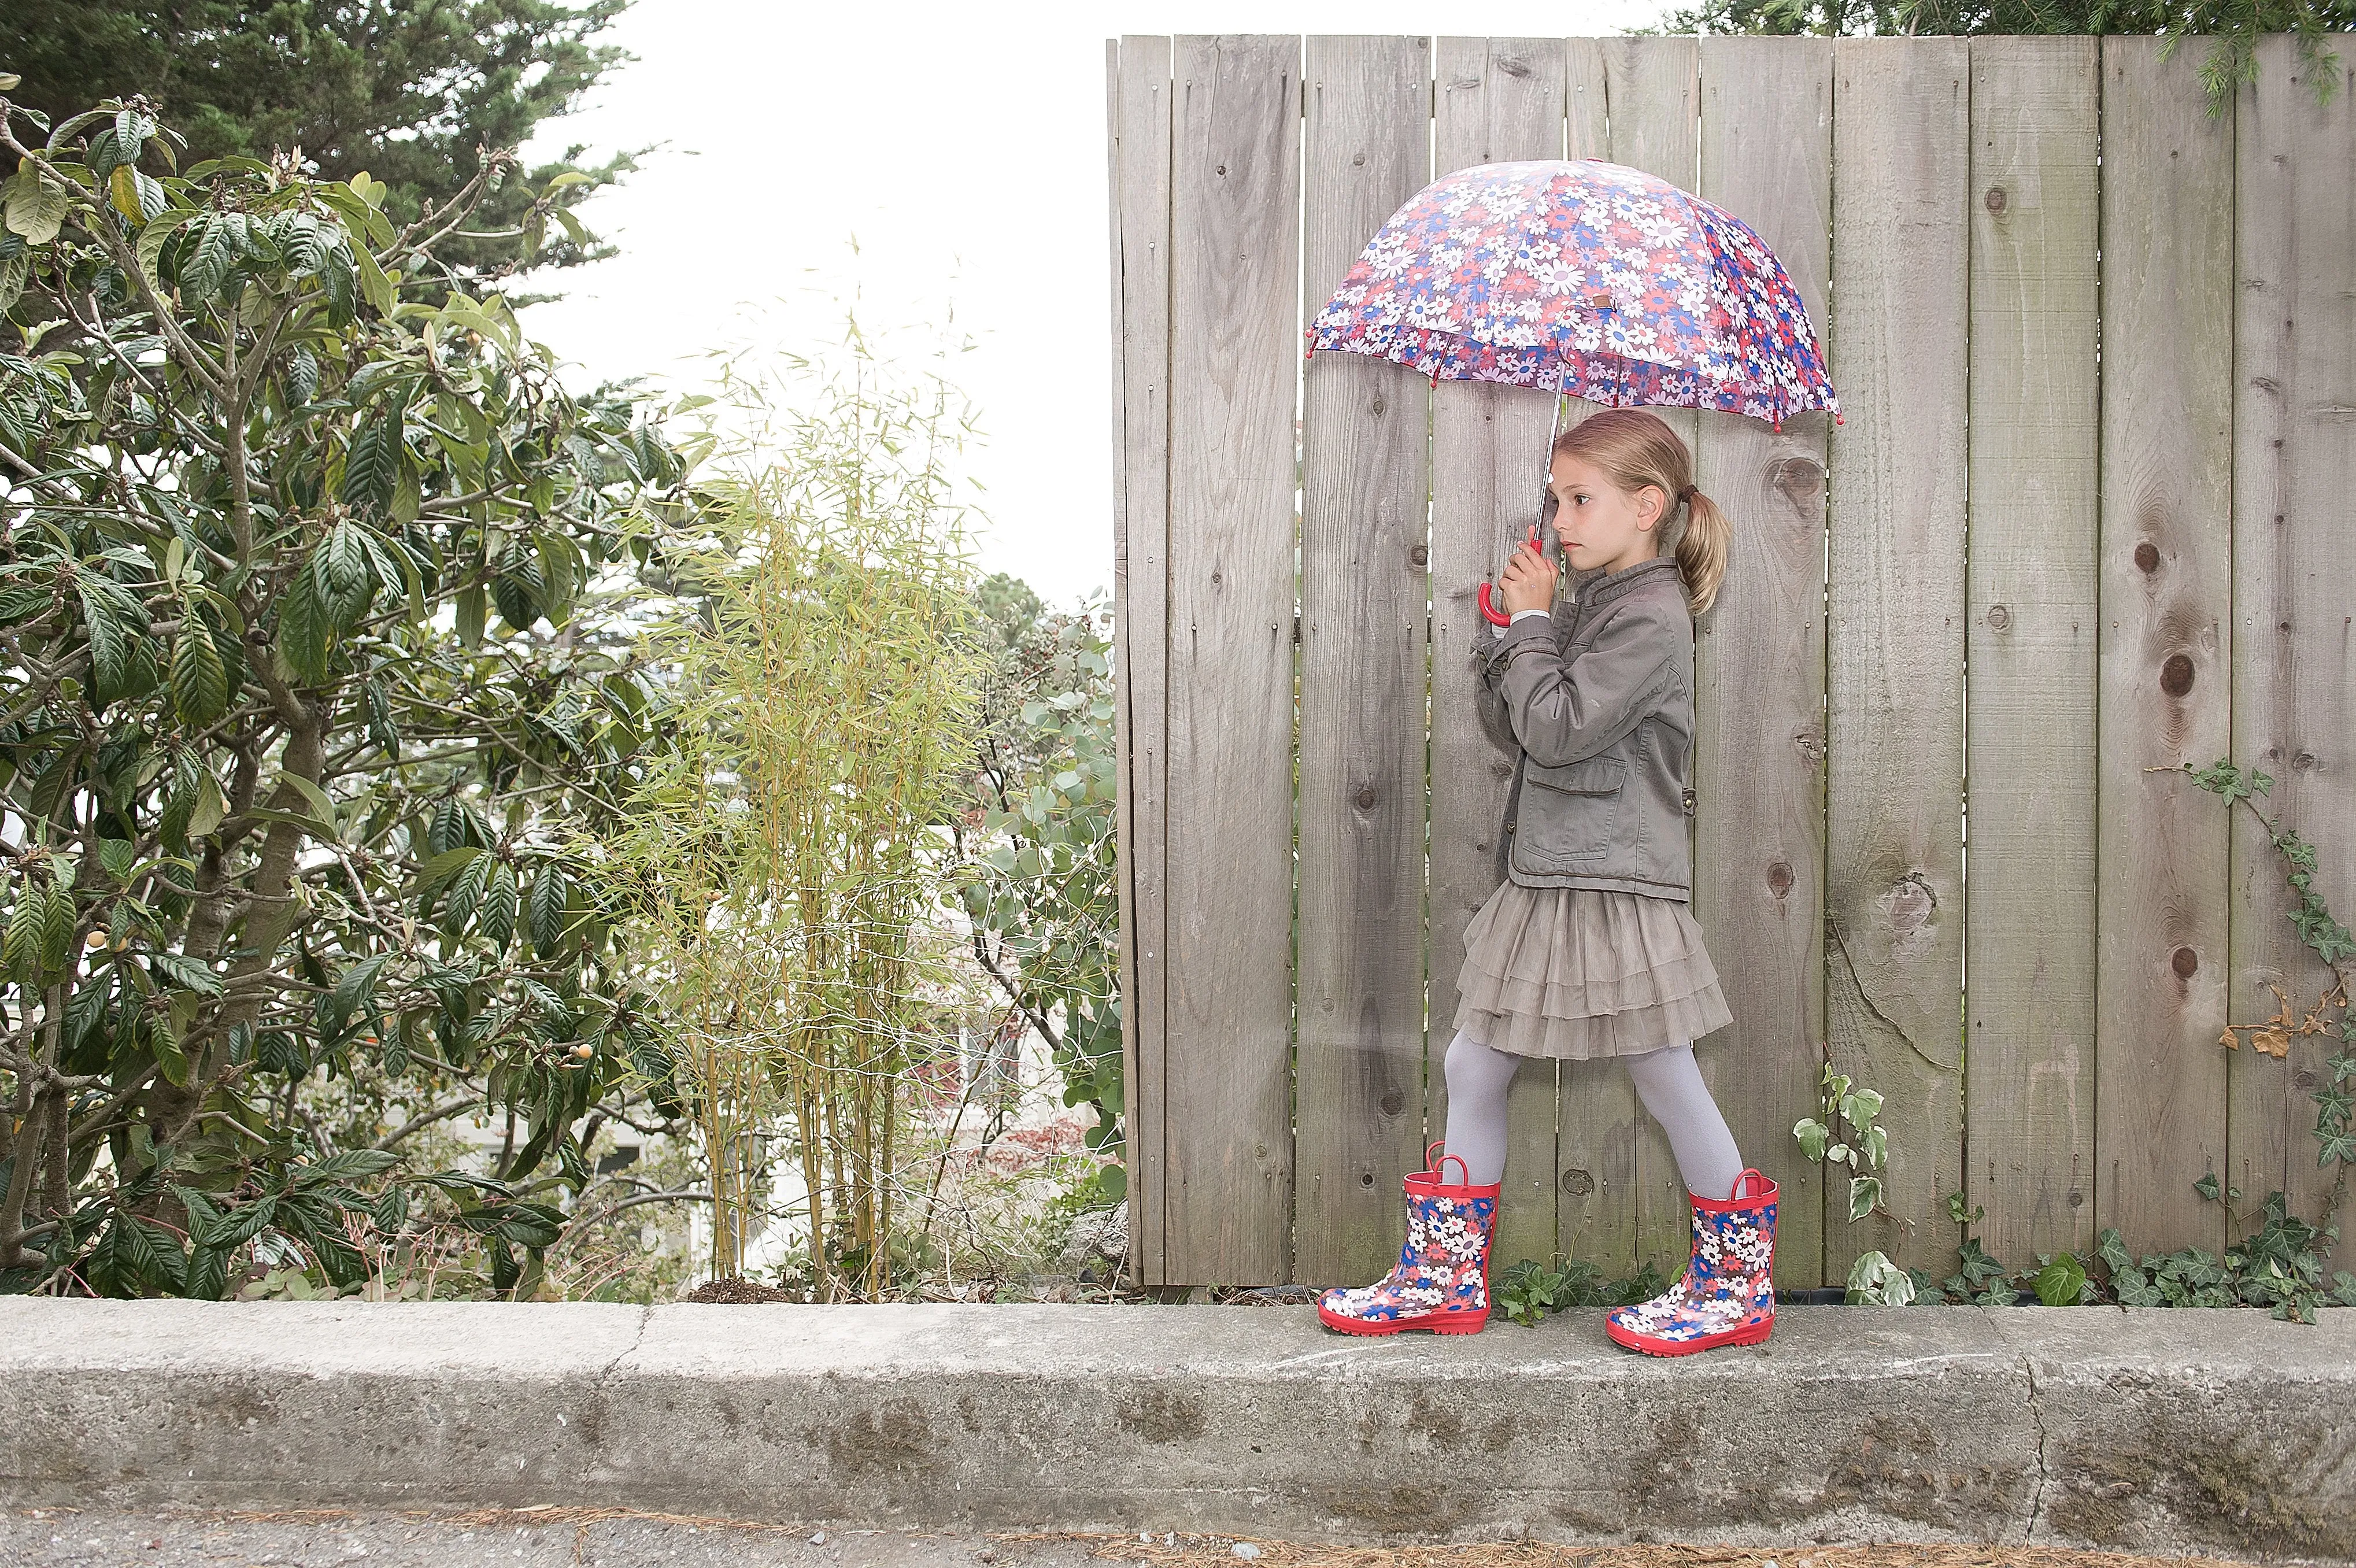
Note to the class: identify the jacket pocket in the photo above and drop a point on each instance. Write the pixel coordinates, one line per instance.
(1567, 813)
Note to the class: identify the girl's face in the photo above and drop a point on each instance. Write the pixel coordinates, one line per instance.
(1599, 523)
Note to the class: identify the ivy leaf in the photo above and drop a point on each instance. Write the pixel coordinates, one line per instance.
(1864, 1192)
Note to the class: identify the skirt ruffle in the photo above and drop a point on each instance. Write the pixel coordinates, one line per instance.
(1578, 972)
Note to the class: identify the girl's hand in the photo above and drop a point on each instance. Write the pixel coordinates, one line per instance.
(1529, 578)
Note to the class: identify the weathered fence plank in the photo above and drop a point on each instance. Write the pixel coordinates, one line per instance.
(2294, 701)
(1495, 100)
(1234, 348)
(1759, 675)
(2166, 452)
(1894, 887)
(1139, 100)
(1595, 1114)
(1652, 88)
(2028, 1065)
(1366, 608)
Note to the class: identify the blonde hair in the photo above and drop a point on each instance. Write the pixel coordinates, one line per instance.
(1635, 447)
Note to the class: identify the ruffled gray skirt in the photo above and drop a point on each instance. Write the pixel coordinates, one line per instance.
(1577, 972)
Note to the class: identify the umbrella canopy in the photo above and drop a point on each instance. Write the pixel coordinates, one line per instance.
(1584, 277)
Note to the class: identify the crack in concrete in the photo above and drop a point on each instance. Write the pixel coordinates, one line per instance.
(645, 1317)
(2036, 1413)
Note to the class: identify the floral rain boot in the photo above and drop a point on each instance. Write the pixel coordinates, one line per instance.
(1727, 1295)
(1441, 1279)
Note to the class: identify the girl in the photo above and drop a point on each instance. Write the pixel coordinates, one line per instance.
(1587, 948)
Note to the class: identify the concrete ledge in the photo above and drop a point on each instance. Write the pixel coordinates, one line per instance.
(2149, 1429)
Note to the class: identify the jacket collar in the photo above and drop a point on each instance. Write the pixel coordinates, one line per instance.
(1602, 589)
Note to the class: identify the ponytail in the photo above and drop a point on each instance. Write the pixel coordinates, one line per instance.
(1702, 550)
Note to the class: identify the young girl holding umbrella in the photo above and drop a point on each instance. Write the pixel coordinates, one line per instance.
(1588, 278)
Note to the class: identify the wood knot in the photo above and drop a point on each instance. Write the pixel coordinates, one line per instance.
(1910, 904)
(1393, 1102)
(2176, 675)
(1999, 616)
(1365, 797)
(2184, 961)
(1578, 1182)
(1779, 877)
(1994, 199)
(2147, 556)
(1801, 482)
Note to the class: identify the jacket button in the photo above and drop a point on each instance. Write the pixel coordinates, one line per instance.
(1509, 824)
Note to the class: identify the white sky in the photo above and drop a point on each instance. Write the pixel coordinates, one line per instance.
(964, 148)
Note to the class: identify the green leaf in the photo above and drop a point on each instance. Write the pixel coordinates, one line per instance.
(347, 1164)
(205, 812)
(1875, 1281)
(2060, 1282)
(191, 974)
(316, 798)
(165, 1048)
(303, 634)
(474, 609)
(212, 257)
(547, 916)
(111, 639)
(14, 273)
(200, 679)
(1864, 1192)
(375, 287)
(37, 210)
(371, 466)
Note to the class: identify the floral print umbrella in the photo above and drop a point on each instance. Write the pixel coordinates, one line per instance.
(1584, 277)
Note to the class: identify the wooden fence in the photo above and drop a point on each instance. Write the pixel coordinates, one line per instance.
(2070, 568)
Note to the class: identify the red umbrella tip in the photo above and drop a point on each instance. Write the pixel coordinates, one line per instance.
(1837, 420)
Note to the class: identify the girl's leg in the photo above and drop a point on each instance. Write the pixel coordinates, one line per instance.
(1670, 1083)
(1478, 1078)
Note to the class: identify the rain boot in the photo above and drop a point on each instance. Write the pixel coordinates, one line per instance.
(1727, 1295)
(1441, 1279)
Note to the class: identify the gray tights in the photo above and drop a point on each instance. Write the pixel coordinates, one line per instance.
(1668, 1081)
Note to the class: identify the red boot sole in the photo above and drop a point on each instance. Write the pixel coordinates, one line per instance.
(1437, 1322)
(1748, 1334)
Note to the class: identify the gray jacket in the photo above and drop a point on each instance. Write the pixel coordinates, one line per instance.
(1596, 706)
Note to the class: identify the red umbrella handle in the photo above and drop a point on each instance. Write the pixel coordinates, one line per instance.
(1494, 616)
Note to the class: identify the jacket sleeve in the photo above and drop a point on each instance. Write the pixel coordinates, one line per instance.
(1486, 700)
(1564, 711)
